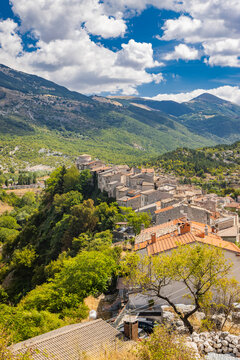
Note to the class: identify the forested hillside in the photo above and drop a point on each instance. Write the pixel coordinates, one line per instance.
(59, 254)
(215, 168)
(206, 115)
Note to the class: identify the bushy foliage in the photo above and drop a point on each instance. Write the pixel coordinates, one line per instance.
(165, 345)
(62, 254)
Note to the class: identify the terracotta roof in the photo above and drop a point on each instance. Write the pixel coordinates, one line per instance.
(147, 170)
(133, 197)
(164, 209)
(70, 342)
(216, 240)
(173, 240)
(161, 226)
(170, 241)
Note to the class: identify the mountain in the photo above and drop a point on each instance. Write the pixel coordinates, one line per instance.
(211, 116)
(208, 98)
(168, 107)
(44, 123)
(32, 84)
(206, 115)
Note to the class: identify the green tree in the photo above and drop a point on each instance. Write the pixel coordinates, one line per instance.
(71, 180)
(199, 268)
(24, 324)
(64, 202)
(9, 222)
(55, 183)
(108, 215)
(136, 220)
(5, 352)
(8, 235)
(24, 257)
(225, 296)
(87, 273)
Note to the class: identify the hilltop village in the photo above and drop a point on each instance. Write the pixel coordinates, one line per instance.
(164, 198)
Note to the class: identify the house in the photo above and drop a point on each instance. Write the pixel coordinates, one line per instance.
(151, 196)
(82, 161)
(73, 342)
(130, 201)
(228, 228)
(166, 237)
(121, 190)
(177, 211)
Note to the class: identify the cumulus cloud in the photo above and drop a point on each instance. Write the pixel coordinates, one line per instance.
(229, 93)
(57, 19)
(66, 53)
(184, 52)
(137, 55)
(9, 40)
(81, 64)
(214, 24)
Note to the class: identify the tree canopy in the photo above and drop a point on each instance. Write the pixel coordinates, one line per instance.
(198, 267)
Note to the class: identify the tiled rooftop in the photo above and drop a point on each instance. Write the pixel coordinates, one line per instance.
(171, 239)
(72, 341)
(163, 210)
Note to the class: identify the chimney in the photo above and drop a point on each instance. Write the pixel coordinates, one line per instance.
(206, 230)
(131, 328)
(142, 227)
(153, 238)
(184, 228)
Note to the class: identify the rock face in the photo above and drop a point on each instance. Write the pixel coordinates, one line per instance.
(220, 342)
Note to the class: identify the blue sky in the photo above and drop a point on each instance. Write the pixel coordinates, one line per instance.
(154, 48)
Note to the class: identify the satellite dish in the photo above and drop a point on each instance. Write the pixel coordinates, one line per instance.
(92, 315)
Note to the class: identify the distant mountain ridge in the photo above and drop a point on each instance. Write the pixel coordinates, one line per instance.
(205, 115)
(39, 118)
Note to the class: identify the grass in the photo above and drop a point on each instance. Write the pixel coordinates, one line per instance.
(5, 207)
(21, 192)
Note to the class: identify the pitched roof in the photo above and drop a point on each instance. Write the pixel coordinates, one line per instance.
(148, 170)
(72, 341)
(171, 239)
(216, 240)
(164, 209)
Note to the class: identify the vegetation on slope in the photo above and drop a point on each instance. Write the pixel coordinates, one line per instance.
(67, 237)
(52, 125)
(216, 168)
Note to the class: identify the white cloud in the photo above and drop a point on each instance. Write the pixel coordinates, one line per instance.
(223, 52)
(140, 5)
(180, 28)
(9, 40)
(105, 26)
(57, 19)
(214, 24)
(67, 55)
(182, 51)
(81, 64)
(229, 93)
(137, 55)
(65, 52)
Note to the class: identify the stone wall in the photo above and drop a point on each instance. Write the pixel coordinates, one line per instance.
(193, 213)
(220, 342)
